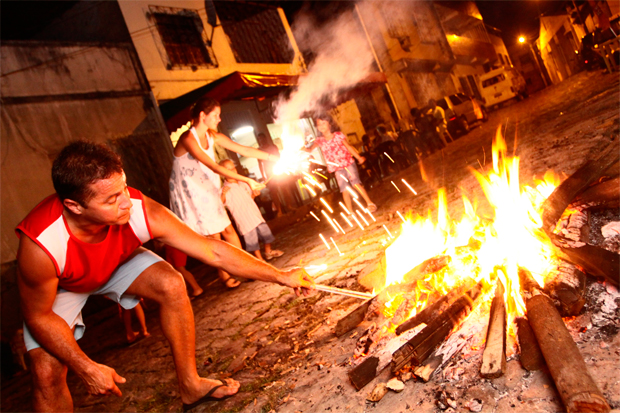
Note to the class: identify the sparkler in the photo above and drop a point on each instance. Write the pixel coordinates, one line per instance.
(342, 291)
(337, 249)
(330, 220)
(409, 186)
(401, 217)
(315, 217)
(362, 216)
(345, 218)
(331, 211)
(325, 242)
(345, 208)
(395, 186)
(385, 153)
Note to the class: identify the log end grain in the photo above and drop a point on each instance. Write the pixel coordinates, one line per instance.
(587, 403)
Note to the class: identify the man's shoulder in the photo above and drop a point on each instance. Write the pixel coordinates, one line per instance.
(41, 216)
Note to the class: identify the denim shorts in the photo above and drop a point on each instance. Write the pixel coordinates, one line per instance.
(68, 305)
(261, 232)
(350, 174)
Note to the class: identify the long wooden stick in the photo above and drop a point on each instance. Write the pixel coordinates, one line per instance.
(578, 390)
(342, 291)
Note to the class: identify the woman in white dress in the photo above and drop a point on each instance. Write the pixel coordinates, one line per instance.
(195, 179)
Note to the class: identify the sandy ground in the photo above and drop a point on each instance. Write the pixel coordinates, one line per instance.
(283, 349)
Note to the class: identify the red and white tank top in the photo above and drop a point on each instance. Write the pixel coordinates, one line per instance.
(80, 266)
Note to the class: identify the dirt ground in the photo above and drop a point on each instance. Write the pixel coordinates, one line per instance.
(283, 349)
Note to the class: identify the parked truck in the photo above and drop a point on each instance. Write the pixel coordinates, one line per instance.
(501, 85)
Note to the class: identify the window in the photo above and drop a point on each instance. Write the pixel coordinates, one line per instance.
(181, 33)
(256, 32)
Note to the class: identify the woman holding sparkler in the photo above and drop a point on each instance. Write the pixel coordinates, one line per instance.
(339, 155)
(195, 179)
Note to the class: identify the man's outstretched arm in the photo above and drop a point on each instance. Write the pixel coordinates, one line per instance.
(38, 283)
(169, 229)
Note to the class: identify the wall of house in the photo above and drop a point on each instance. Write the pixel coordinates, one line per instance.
(169, 83)
(54, 94)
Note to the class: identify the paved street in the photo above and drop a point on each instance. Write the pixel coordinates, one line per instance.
(283, 350)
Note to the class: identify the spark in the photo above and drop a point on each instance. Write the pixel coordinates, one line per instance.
(359, 204)
(315, 217)
(362, 216)
(388, 231)
(409, 186)
(345, 208)
(310, 190)
(345, 218)
(356, 220)
(314, 269)
(333, 164)
(329, 220)
(331, 211)
(337, 249)
(320, 174)
(344, 177)
(311, 179)
(325, 242)
(352, 192)
(401, 217)
(389, 157)
(339, 226)
(395, 186)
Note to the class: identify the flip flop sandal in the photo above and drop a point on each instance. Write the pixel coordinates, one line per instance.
(207, 397)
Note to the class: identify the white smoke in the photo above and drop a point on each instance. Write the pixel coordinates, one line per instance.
(342, 58)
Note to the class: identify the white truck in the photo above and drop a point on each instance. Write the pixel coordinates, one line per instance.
(500, 85)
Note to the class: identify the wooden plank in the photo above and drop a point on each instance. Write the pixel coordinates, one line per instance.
(603, 195)
(364, 373)
(529, 351)
(416, 350)
(494, 355)
(430, 312)
(576, 387)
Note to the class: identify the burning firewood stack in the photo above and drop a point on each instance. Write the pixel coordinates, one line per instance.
(420, 322)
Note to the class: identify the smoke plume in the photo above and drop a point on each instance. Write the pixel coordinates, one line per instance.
(342, 58)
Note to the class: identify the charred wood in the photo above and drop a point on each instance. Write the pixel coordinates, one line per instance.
(563, 195)
(594, 260)
(603, 195)
(364, 373)
(567, 286)
(566, 365)
(435, 309)
(372, 306)
(494, 355)
(416, 350)
(530, 354)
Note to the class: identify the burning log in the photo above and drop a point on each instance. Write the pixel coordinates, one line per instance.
(563, 195)
(594, 260)
(566, 365)
(567, 285)
(603, 195)
(530, 354)
(494, 356)
(359, 314)
(434, 310)
(422, 345)
(366, 371)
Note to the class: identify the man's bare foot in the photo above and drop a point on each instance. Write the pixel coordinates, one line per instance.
(196, 293)
(231, 283)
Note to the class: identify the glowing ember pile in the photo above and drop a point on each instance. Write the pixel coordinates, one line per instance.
(479, 248)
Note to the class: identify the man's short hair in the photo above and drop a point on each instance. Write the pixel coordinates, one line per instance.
(80, 164)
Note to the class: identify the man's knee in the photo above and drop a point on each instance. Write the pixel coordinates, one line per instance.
(47, 371)
(169, 282)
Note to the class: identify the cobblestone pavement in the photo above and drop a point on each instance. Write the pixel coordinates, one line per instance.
(283, 350)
